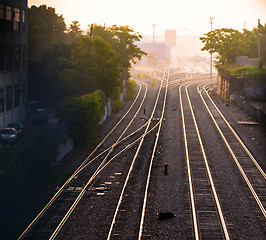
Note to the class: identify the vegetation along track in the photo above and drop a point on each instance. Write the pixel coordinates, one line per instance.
(50, 221)
(117, 178)
(47, 220)
(121, 207)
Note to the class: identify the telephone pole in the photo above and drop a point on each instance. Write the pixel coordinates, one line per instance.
(211, 22)
(259, 39)
(153, 40)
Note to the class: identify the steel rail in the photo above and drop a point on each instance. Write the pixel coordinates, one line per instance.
(236, 160)
(102, 166)
(236, 135)
(218, 205)
(122, 134)
(151, 164)
(77, 171)
(131, 167)
(98, 170)
(191, 188)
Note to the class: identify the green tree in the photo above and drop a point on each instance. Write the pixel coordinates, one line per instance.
(74, 32)
(84, 114)
(52, 85)
(94, 66)
(122, 39)
(46, 28)
(228, 43)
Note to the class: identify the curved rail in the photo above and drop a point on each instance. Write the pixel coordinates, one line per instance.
(210, 178)
(235, 134)
(81, 167)
(235, 159)
(151, 163)
(132, 164)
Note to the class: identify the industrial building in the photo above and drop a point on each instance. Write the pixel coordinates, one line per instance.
(13, 60)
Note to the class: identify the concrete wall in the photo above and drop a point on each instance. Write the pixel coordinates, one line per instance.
(245, 61)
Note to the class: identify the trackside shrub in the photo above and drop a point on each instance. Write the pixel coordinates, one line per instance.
(116, 106)
(130, 86)
(84, 113)
(142, 75)
(153, 83)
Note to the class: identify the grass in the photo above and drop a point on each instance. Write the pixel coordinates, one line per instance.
(245, 71)
(142, 75)
(153, 83)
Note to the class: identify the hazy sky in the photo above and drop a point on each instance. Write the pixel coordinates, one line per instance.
(190, 16)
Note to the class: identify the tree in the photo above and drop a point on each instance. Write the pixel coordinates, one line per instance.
(84, 114)
(122, 39)
(74, 32)
(46, 28)
(94, 66)
(228, 43)
(52, 86)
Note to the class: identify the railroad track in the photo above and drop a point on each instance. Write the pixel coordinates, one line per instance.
(250, 170)
(207, 215)
(53, 217)
(133, 199)
(49, 218)
(117, 205)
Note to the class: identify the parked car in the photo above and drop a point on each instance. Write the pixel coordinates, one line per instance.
(8, 135)
(18, 126)
(31, 107)
(39, 116)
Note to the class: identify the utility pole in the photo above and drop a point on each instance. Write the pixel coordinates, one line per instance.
(259, 39)
(91, 30)
(211, 22)
(153, 40)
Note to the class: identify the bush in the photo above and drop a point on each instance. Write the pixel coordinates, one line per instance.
(245, 71)
(131, 86)
(7, 153)
(142, 75)
(153, 83)
(84, 114)
(37, 159)
(116, 106)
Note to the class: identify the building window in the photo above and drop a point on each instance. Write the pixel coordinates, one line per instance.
(9, 23)
(2, 17)
(23, 19)
(23, 57)
(17, 95)
(2, 58)
(16, 58)
(16, 19)
(9, 58)
(2, 100)
(9, 97)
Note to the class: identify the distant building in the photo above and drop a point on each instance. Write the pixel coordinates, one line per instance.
(155, 52)
(13, 60)
(157, 49)
(170, 38)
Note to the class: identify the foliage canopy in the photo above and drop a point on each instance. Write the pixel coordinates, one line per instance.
(230, 43)
(84, 114)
